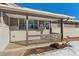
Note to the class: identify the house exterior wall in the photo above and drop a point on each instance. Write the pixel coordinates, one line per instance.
(69, 25)
(68, 30)
(55, 28)
(4, 36)
(4, 32)
(71, 32)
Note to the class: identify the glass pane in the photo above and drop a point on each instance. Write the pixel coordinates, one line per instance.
(46, 24)
(35, 24)
(22, 24)
(31, 24)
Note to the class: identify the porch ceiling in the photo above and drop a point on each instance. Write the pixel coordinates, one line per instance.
(16, 16)
(32, 12)
(30, 17)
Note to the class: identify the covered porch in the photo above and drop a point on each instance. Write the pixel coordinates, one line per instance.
(33, 26)
(32, 29)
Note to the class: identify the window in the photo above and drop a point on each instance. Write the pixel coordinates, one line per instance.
(13, 22)
(46, 24)
(22, 24)
(41, 23)
(33, 24)
(30, 24)
(17, 24)
(6, 19)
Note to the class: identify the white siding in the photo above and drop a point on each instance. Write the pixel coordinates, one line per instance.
(69, 30)
(4, 36)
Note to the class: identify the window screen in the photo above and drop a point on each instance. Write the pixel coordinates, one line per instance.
(22, 24)
(13, 22)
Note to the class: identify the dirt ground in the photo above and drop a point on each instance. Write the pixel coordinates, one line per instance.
(71, 38)
(19, 50)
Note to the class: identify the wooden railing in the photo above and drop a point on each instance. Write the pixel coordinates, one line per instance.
(53, 36)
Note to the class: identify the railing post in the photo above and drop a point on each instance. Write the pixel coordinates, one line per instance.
(61, 22)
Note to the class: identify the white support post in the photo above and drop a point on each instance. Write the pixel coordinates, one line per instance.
(2, 21)
(18, 23)
(9, 30)
(26, 30)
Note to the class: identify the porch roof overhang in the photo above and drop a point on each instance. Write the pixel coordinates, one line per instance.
(77, 21)
(28, 11)
(30, 17)
(73, 21)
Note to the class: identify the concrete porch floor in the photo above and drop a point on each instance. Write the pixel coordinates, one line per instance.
(19, 48)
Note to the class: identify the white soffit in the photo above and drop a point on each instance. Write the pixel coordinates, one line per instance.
(16, 16)
(31, 17)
